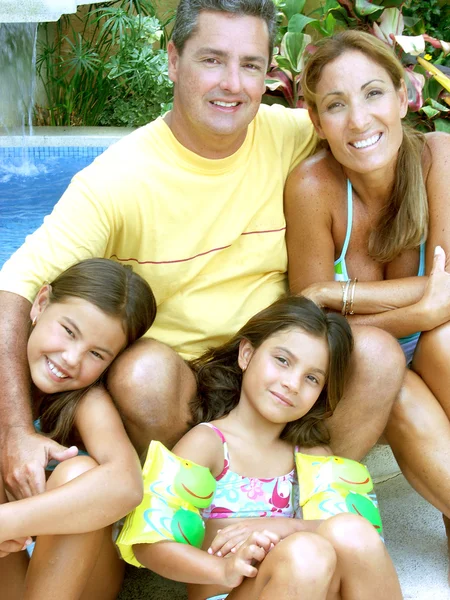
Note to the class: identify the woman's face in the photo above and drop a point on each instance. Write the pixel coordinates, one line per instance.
(359, 112)
(71, 344)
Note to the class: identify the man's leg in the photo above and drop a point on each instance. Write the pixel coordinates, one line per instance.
(152, 386)
(376, 375)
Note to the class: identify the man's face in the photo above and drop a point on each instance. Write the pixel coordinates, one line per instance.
(219, 81)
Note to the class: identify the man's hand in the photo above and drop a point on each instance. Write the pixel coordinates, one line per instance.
(24, 458)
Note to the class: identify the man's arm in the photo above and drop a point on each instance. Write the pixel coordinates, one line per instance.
(23, 453)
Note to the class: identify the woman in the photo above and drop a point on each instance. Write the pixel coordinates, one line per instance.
(372, 208)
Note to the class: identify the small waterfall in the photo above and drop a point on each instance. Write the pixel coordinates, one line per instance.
(17, 85)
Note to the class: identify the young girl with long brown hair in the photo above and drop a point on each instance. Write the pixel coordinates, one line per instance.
(79, 324)
(262, 394)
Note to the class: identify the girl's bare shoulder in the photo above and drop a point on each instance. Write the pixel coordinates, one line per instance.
(203, 446)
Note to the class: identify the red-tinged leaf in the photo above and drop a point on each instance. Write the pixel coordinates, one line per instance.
(284, 84)
(414, 84)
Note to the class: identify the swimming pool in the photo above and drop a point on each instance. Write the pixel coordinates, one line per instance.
(31, 182)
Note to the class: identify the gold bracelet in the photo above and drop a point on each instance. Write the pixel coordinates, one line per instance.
(352, 296)
(345, 296)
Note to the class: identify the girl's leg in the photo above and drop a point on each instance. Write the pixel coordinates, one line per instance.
(107, 577)
(364, 567)
(13, 568)
(300, 566)
(62, 564)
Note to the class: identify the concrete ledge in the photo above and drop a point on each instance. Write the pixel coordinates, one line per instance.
(62, 136)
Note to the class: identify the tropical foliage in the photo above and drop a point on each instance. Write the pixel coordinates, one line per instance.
(107, 66)
(403, 25)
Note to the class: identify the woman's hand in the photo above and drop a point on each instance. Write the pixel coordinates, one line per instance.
(14, 546)
(241, 564)
(230, 539)
(435, 302)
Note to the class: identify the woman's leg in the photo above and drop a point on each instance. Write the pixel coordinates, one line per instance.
(364, 568)
(418, 431)
(13, 568)
(300, 566)
(62, 564)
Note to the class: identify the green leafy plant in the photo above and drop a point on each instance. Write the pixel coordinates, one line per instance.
(427, 81)
(106, 67)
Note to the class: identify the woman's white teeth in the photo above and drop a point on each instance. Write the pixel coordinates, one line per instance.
(226, 104)
(369, 142)
(55, 371)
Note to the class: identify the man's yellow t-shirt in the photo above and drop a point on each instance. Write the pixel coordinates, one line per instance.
(208, 235)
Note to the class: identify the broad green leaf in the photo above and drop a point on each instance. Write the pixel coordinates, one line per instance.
(283, 63)
(391, 3)
(438, 105)
(292, 47)
(364, 8)
(329, 4)
(273, 84)
(292, 7)
(298, 23)
(411, 22)
(429, 111)
(442, 125)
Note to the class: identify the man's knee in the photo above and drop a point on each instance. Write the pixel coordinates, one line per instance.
(152, 387)
(148, 368)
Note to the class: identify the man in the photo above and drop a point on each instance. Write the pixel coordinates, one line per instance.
(193, 202)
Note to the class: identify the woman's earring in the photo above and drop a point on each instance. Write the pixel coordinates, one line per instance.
(33, 322)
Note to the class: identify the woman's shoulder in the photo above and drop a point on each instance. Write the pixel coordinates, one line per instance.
(318, 173)
(437, 153)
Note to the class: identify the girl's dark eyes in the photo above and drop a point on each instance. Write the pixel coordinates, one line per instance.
(281, 360)
(69, 331)
(96, 354)
(313, 379)
(373, 93)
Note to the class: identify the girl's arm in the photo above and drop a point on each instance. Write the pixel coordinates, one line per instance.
(393, 305)
(94, 499)
(182, 562)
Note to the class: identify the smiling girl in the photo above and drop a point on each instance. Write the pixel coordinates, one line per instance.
(262, 394)
(79, 324)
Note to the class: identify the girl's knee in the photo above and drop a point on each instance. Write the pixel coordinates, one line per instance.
(307, 555)
(351, 533)
(70, 469)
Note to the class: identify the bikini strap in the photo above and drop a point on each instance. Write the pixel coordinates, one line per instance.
(226, 456)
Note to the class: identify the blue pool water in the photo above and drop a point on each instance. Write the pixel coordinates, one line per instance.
(31, 182)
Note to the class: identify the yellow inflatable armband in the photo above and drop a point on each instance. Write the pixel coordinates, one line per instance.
(330, 485)
(174, 491)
